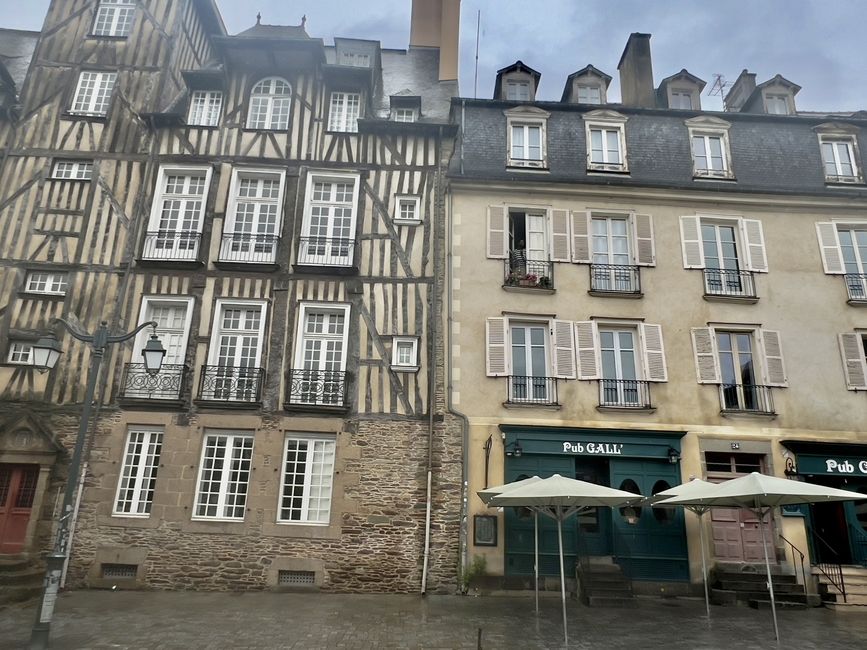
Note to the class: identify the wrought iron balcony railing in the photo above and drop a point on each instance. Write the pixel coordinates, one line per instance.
(624, 393)
(167, 384)
(248, 248)
(541, 391)
(316, 388)
(231, 384)
(746, 398)
(326, 251)
(171, 246)
(532, 274)
(856, 285)
(729, 283)
(615, 278)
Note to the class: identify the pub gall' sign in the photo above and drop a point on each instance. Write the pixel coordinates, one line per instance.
(594, 448)
(845, 467)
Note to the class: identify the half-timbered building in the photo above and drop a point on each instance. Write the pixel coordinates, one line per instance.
(275, 203)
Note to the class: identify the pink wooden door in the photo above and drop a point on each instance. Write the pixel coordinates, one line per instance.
(17, 490)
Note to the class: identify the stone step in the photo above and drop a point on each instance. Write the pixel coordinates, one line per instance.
(750, 596)
(781, 587)
(846, 607)
(29, 575)
(781, 604)
(748, 576)
(855, 581)
(604, 590)
(609, 601)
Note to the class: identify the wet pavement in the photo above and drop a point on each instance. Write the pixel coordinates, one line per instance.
(163, 620)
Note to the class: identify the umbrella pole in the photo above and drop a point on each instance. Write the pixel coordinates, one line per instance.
(703, 564)
(536, 563)
(768, 567)
(562, 572)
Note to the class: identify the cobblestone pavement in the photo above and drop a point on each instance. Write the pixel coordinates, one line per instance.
(187, 620)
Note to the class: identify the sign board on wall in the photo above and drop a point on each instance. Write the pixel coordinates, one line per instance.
(832, 465)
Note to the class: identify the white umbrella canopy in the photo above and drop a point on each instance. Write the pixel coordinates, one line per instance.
(489, 493)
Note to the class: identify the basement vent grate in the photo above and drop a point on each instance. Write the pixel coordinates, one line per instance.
(119, 571)
(296, 578)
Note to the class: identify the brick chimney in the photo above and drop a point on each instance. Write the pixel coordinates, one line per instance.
(436, 23)
(636, 72)
(740, 91)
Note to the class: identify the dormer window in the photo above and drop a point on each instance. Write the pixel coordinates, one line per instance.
(839, 147)
(516, 83)
(355, 59)
(404, 114)
(518, 91)
(709, 142)
(589, 94)
(270, 101)
(681, 99)
(587, 86)
(606, 141)
(777, 104)
(527, 137)
(681, 91)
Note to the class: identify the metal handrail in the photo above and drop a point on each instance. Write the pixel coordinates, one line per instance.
(533, 274)
(795, 549)
(529, 389)
(746, 398)
(729, 282)
(615, 278)
(624, 393)
(856, 285)
(829, 568)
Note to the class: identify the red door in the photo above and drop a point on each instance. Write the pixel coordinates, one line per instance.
(17, 489)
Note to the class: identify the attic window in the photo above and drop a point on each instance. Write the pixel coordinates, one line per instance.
(518, 91)
(355, 59)
(589, 94)
(777, 104)
(404, 114)
(681, 99)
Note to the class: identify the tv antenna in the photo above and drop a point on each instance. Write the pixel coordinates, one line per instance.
(476, 77)
(719, 85)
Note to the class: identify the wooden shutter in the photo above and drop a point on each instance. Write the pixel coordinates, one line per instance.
(690, 241)
(563, 336)
(754, 240)
(645, 250)
(586, 342)
(854, 364)
(775, 369)
(581, 237)
(706, 361)
(829, 245)
(654, 352)
(560, 236)
(498, 232)
(495, 347)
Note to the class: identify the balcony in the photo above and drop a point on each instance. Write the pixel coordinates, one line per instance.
(532, 391)
(856, 285)
(609, 279)
(137, 385)
(332, 252)
(240, 249)
(324, 389)
(535, 275)
(747, 399)
(624, 394)
(231, 384)
(727, 283)
(178, 247)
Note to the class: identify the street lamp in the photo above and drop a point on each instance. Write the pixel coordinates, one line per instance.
(46, 352)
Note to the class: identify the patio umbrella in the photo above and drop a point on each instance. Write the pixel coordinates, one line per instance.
(761, 493)
(559, 497)
(489, 493)
(695, 487)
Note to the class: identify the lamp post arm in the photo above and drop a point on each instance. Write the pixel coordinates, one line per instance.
(72, 329)
(118, 338)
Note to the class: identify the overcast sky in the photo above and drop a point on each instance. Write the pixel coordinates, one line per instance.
(818, 44)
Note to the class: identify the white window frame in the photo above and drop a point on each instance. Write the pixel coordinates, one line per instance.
(355, 59)
(220, 305)
(252, 250)
(226, 471)
(854, 359)
(273, 119)
(510, 84)
(674, 93)
(404, 114)
(304, 309)
(23, 350)
(752, 252)
(606, 120)
(72, 170)
(171, 243)
(145, 315)
(401, 200)
(342, 121)
(706, 127)
(206, 108)
(113, 11)
(761, 358)
(527, 117)
(851, 144)
(312, 259)
(775, 97)
(589, 87)
(143, 469)
(330, 447)
(396, 343)
(56, 283)
(97, 101)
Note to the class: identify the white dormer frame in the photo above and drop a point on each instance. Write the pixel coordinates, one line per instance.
(527, 116)
(606, 120)
(836, 134)
(711, 127)
(517, 76)
(590, 80)
(684, 88)
(778, 91)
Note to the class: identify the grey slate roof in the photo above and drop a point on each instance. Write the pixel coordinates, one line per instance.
(769, 153)
(16, 50)
(415, 72)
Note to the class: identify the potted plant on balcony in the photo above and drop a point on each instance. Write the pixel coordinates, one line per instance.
(529, 280)
(545, 282)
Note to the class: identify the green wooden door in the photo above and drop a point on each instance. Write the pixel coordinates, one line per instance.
(594, 525)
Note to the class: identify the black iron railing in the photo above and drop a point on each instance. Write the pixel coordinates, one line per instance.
(615, 278)
(829, 563)
(231, 384)
(858, 539)
(856, 285)
(316, 387)
(746, 398)
(532, 274)
(624, 393)
(249, 248)
(800, 556)
(731, 283)
(326, 251)
(532, 390)
(171, 245)
(137, 383)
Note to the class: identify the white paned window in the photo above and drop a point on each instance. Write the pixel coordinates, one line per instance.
(605, 147)
(589, 95)
(605, 133)
(308, 470)
(742, 361)
(681, 99)
(708, 152)
(20, 353)
(270, 101)
(205, 108)
(77, 170)
(320, 355)
(93, 93)
(50, 283)
(526, 134)
(404, 353)
(355, 59)
(177, 214)
(526, 142)
(138, 476)
(777, 104)
(254, 217)
(621, 370)
(838, 158)
(344, 112)
(235, 353)
(729, 249)
(518, 91)
(404, 114)
(114, 17)
(224, 475)
(328, 230)
(407, 209)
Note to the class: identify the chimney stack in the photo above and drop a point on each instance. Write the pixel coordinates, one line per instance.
(636, 73)
(436, 23)
(740, 91)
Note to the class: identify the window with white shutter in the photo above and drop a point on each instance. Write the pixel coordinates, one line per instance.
(563, 336)
(586, 344)
(853, 350)
(844, 252)
(495, 347)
